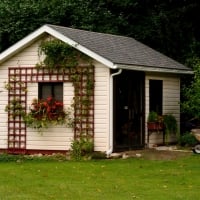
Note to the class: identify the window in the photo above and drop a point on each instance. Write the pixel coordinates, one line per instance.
(54, 90)
(156, 96)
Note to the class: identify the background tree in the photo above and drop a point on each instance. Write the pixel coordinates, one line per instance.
(170, 26)
(191, 93)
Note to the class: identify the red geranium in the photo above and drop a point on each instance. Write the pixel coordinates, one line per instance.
(47, 109)
(47, 112)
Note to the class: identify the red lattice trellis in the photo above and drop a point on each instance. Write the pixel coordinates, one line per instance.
(84, 112)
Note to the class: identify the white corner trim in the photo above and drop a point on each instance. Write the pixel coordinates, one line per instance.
(46, 29)
(110, 142)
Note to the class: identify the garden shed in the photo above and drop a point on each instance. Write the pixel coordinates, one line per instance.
(108, 90)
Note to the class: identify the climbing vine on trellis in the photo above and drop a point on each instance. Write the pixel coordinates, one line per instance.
(59, 55)
(15, 106)
(80, 74)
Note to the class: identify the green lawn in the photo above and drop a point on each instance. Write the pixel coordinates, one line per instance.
(133, 178)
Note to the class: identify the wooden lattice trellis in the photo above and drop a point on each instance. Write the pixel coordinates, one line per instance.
(83, 81)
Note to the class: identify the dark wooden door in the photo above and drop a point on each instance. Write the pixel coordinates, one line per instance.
(128, 110)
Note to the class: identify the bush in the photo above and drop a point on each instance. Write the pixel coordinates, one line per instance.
(188, 140)
(4, 157)
(98, 155)
(81, 148)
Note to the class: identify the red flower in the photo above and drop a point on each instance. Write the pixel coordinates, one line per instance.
(48, 109)
(49, 99)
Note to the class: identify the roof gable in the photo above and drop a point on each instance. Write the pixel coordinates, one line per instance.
(111, 50)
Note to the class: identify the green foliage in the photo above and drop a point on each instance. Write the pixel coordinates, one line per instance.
(147, 21)
(20, 17)
(4, 157)
(76, 150)
(170, 124)
(15, 108)
(59, 55)
(191, 94)
(188, 140)
(152, 117)
(45, 113)
(81, 148)
(98, 155)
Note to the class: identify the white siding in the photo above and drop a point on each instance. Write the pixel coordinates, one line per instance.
(3, 103)
(27, 57)
(171, 101)
(101, 118)
(54, 138)
(57, 138)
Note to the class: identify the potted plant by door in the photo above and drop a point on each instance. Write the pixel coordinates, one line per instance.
(170, 125)
(154, 122)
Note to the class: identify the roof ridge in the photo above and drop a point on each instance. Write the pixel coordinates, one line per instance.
(90, 31)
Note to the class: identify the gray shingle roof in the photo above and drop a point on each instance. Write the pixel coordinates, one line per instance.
(119, 49)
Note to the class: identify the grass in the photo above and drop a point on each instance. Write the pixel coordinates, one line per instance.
(135, 178)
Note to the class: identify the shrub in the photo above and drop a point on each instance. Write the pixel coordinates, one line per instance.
(81, 148)
(188, 140)
(98, 155)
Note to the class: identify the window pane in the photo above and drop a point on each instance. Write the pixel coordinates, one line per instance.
(156, 95)
(54, 90)
(58, 91)
(45, 91)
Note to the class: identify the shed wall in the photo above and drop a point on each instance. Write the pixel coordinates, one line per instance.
(56, 138)
(59, 138)
(101, 117)
(171, 102)
(53, 138)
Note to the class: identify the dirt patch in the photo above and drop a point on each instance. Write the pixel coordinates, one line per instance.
(153, 154)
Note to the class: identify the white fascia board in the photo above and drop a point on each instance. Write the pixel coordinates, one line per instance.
(22, 43)
(154, 69)
(81, 48)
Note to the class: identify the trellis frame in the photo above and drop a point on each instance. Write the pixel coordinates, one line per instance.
(19, 77)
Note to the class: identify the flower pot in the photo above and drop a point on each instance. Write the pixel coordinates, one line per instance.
(155, 126)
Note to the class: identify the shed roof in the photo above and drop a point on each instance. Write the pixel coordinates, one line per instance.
(112, 50)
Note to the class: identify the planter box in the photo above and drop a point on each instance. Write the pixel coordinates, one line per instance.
(155, 126)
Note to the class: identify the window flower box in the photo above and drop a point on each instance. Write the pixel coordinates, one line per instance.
(46, 112)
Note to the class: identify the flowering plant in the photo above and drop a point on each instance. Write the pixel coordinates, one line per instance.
(45, 112)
